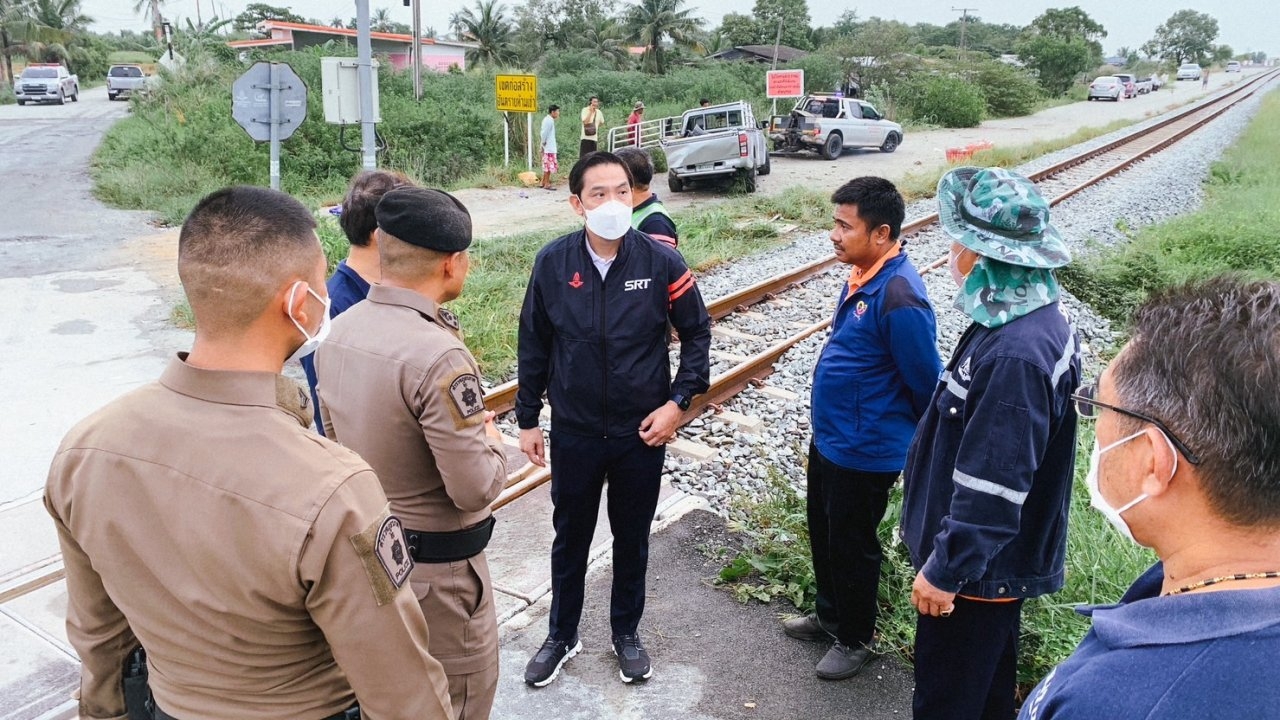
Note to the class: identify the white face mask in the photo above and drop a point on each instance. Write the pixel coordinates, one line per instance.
(1099, 503)
(610, 220)
(953, 264)
(311, 342)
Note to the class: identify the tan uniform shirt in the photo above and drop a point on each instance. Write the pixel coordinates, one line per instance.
(398, 386)
(254, 560)
(591, 115)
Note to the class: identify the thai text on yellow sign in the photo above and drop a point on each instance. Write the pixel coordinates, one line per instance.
(517, 93)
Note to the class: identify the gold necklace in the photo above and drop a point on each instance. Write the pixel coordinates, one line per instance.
(1225, 578)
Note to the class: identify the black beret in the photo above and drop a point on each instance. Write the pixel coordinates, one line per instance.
(428, 218)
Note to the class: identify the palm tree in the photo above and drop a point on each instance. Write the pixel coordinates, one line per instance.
(152, 8)
(652, 21)
(337, 22)
(62, 15)
(490, 29)
(604, 37)
(16, 23)
(381, 21)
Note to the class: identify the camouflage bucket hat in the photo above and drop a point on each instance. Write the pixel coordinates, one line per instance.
(999, 214)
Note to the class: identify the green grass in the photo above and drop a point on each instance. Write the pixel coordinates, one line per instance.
(130, 57)
(1234, 230)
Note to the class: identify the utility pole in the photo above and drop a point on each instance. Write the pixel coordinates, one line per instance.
(777, 39)
(364, 70)
(417, 48)
(964, 25)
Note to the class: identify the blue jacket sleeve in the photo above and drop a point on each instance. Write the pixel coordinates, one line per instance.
(1007, 425)
(912, 336)
(533, 346)
(688, 315)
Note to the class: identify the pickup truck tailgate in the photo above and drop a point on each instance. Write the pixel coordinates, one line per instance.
(702, 152)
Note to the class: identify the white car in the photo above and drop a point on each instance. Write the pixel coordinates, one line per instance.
(1189, 71)
(1107, 87)
(1233, 66)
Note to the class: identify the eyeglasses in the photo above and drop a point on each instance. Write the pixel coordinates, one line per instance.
(1089, 408)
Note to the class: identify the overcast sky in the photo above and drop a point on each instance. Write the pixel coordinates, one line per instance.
(1243, 24)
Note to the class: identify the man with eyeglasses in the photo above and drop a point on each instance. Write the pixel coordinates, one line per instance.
(988, 477)
(1187, 462)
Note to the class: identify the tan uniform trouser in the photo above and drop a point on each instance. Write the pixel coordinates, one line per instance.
(457, 600)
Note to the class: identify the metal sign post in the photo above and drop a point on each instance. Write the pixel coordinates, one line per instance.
(517, 93)
(269, 101)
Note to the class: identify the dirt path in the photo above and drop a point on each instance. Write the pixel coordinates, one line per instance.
(504, 211)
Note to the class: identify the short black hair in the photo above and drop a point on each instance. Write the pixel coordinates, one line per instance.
(703, 102)
(236, 248)
(363, 194)
(1202, 359)
(878, 202)
(639, 164)
(590, 160)
(593, 97)
(553, 108)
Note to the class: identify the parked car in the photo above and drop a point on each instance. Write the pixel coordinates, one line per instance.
(1233, 66)
(1188, 71)
(716, 142)
(1157, 81)
(1107, 87)
(125, 80)
(1146, 85)
(1130, 84)
(826, 124)
(46, 82)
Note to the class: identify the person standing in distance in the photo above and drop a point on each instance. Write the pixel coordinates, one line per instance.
(633, 123)
(593, 336)
(351, 279)
(648, 215)
(987, 483)
(592, 121)
(871, 385)
(402, 390)
(198, 516)
(1186, 461)
(550, 165)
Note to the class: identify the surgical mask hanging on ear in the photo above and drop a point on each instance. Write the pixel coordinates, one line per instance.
(1099, 503)
(610, 220)
(311, 342)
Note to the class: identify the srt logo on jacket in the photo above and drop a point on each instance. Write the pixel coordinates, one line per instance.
(642, 284)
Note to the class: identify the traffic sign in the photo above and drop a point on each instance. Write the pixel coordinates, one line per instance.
(251, 96)
(784, 83)
(517, 93)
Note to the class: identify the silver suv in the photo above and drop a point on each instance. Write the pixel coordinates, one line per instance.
(1189, 71)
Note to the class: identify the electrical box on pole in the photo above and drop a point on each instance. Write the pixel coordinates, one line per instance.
(340, 88)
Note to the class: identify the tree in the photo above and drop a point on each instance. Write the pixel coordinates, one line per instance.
(1061, 44)
(739, 29)
(16, 24)
(794, 16)
(490, 29)
(380, 21)
(152, 8)
(62, 15)
(1186, 36)
(605, 38)
(255, 13)
(653, 21)
(560, 23)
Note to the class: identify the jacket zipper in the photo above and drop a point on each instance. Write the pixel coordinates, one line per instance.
(604, 349)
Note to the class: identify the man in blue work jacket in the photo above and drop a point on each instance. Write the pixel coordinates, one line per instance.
(988, 478)
(593, 336)
(872, 382)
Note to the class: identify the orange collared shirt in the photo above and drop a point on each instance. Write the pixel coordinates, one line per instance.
(859, 277)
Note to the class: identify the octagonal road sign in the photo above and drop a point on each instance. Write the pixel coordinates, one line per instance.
(251, 101)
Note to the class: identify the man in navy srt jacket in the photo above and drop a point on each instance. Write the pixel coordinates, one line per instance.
(593, 337)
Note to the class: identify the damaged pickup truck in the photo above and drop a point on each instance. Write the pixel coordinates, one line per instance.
(827, 124)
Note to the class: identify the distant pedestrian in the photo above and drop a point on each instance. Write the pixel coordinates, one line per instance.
(550, 165)
(1204, 78)
(988, 477)
(350, 281)
(592, 120)
(647, 213)
(882, 351)
(633, 123)
(704, 103)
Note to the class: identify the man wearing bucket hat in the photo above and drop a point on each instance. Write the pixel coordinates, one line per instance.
(988, 476)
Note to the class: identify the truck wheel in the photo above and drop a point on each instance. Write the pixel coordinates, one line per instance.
(749, 181)
(764, 169)
(75, 94)
(890, 143)
(21, 103)
(62, 98)
(832, 149)
(675, 182)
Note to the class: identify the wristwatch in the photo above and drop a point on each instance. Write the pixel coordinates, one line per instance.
(681, 401)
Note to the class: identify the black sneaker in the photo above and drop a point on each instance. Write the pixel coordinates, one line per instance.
(633, 661)
(807, 628)
(546, 663)
(842, 661)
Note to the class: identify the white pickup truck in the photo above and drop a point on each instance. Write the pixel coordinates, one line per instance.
(714, 142)
(46, 82)
(125, 80)
(827, 124)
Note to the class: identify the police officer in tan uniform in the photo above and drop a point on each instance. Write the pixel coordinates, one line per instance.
(398, 386)
(255, 561)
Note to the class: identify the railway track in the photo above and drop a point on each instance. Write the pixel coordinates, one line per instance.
(1058, 182)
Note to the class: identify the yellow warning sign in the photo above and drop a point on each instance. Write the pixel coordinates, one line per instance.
(517, 93)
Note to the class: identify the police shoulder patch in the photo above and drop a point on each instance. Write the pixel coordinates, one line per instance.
(466, 398)
(385, 555)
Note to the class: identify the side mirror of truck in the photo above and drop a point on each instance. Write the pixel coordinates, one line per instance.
(762, 124)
